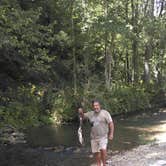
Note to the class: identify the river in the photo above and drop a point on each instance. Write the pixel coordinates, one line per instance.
(130, 132)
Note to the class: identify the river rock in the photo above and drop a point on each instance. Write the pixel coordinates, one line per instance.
(10, 135)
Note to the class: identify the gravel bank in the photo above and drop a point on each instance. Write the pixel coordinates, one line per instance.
(144, 155)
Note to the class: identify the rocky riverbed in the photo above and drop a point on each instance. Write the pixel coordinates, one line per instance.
(144, 155)
(22, 155)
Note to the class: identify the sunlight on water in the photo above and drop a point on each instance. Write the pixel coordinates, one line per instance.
(161, 137)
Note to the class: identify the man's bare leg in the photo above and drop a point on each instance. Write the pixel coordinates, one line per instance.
(98, 158)
(103, 156)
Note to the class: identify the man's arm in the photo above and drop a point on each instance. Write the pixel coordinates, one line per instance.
(111, 130)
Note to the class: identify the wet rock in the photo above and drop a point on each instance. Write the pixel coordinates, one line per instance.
(77, 150)
(55, 149)
(155, 114)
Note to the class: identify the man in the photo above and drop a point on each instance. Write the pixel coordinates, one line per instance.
(102, 129)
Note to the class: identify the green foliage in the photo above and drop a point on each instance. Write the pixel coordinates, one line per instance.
(21, 107)
(56, 55)
(128, 99)
(36, 105)
(23, 41)
(61, 105)
(121, 99)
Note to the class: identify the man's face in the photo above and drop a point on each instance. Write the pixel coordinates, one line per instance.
(96, 106)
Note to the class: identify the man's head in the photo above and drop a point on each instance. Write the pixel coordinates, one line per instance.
(96, 106)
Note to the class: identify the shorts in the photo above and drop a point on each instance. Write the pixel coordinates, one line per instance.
(98, 144)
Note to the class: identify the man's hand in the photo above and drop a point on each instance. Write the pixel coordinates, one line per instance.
(111, 137)
(80, 112)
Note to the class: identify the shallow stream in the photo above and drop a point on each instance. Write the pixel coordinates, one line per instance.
(130, 132)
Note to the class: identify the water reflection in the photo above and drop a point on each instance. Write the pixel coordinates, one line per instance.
(53, 136)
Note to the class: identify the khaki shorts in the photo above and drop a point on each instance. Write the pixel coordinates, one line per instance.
(98, 144)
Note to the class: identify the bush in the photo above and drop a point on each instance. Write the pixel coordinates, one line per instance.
(128, 99)
(29, 106)
(121, 99)
(20, 107)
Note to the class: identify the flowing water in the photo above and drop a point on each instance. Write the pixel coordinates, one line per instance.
(129, 132)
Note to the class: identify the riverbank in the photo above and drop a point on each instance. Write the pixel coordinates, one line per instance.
(145, 155)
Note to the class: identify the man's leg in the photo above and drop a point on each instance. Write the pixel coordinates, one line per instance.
(96, 151)
(103, 156)
(103, 150)
(98, 158)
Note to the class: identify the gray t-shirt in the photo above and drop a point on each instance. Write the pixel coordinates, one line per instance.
(99, 122)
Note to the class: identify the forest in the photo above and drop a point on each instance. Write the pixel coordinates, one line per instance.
(56, 55)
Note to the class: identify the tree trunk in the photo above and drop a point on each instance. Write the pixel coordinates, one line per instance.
(86, 58)
(107, 51)
(128, 77)
(73, 51)
(127, 61)
(162, 8)
(148, 52)
(135, 66)
(148, 48)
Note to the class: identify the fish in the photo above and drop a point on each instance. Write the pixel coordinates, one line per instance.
(80, 137)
